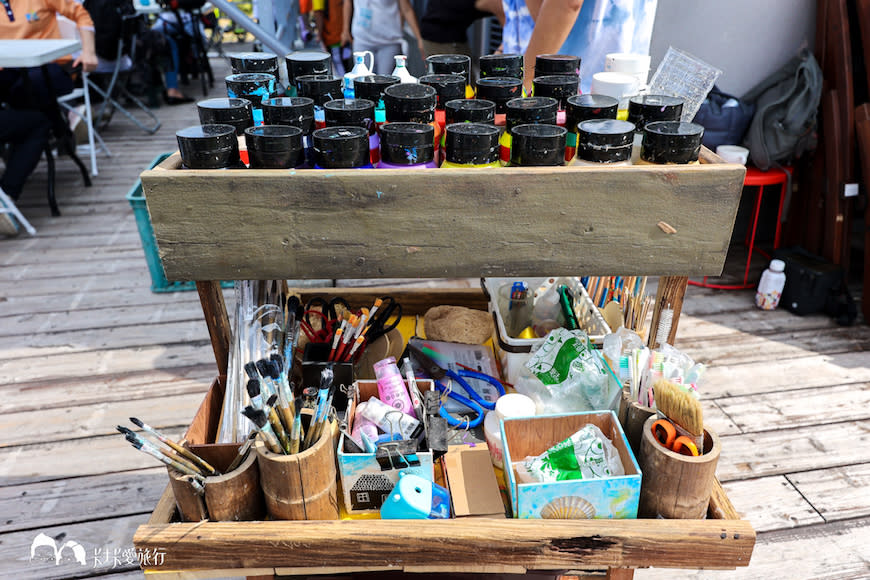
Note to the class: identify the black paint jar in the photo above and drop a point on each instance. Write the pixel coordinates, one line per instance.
(209, 147)
(499, 90)
(604, 141)
(469, 111)
(410, 103)
(557, 64)
(341, 148)
(226, 111)
(274, 147)
(671, 142)
(538, 145)
(501, 65)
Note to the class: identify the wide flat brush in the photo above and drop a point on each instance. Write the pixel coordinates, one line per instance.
(681, 407)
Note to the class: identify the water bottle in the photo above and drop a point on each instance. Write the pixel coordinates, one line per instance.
(770, 286)
(359, 70)
(401, 70)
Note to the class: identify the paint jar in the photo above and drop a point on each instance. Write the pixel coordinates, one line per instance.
(341, 148)
(407, 146)
(469, 111)
(501, 65)
(643, 109)
(254, 62)
(255, 87)
(226, 111)
(355, 113)
(584, 108)
(537, 145)
(209, 147)
(448, 87)
(557, 64)
(295, 112)
(559, 87)
(473, 145)
(372, 87)
(321, 89)
(525, 111)
(306, 62)
(412, 103)
(274, 147)
(452, 64)
(604, 141)
(671, 142)
(499, 90)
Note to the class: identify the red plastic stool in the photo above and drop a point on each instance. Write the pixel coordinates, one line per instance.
(760, 179)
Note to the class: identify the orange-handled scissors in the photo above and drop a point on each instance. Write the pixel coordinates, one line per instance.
(665, 433)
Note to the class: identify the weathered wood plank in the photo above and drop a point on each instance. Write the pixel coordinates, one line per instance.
(75, 268)
(839, 493)
(535, 545)
(771, 503)
(30, 259)
(755, 321)
(787, 409)
(792, 450)
(97, 300)
(393, 224)
(68, 501)
(75, 422)
(133, 278)
(152, 383)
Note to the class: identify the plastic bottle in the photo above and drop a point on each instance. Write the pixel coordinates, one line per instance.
(770, 286)
(359, 70)
(391, 420)
(391, 386)
(401, 70)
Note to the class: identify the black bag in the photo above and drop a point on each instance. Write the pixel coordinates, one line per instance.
(786, 103)
(723, 125)
(809, 280)
(108, 24)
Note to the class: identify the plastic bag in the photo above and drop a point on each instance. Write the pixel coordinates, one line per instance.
(587, 454)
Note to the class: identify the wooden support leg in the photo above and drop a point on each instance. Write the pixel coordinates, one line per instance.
(215, 310)
(620, 573)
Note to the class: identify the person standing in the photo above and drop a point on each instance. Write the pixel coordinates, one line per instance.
(376, 26)
(328, 16)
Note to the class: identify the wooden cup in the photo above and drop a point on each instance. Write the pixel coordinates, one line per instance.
(676, 486)
(632, 415)
(231, 497)
(301, 486)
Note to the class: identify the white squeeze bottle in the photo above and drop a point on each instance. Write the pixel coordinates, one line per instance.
(770, 286)
(401, 71)
(359, 70)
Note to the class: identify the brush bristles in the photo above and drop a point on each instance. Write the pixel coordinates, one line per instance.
(253, 387)
(679, 406)
(263, 368)
(272, 400)
(258, 417)
(278, 360)
(273, 369)
(138, 422)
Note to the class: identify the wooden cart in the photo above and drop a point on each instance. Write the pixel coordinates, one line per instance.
(275, 224)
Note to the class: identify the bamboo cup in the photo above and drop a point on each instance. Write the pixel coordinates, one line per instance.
(676, 486)
(301, 486)
(632, 415)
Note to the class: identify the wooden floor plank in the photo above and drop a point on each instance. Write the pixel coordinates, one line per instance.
(67, 501)
(839, 493)
(771, 503)
(753, 321)
(96, 300)
(99, 281)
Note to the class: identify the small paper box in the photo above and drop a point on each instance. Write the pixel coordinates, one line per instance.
(364, 484)
(612, 497)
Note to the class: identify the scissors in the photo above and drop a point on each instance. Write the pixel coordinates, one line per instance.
(476, 403)
(377, 325)
(330, 318)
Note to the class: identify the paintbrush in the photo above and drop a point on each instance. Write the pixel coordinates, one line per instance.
(261, 423)
(296, 434)
(151, 450)
(285, 396)
(275, 421)
(243, 451)
(312, 425)
(681, 408)
(268, 384)
(175, 446)
(167, 453)
(197, 485)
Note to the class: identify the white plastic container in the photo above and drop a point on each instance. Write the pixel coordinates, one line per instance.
(359, 70)
(510, 405)
(770, 286)
(401, 70)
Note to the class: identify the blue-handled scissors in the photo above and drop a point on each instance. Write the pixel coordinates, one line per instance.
(474, 401)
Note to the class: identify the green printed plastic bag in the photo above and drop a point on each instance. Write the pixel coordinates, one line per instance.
(587, 454)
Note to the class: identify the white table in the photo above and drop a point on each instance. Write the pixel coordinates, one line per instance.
(30, 53)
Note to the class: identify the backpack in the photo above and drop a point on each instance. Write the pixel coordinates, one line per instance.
(724, 118)
(786, 103)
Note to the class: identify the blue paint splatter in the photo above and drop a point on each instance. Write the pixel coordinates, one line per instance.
(380, 193)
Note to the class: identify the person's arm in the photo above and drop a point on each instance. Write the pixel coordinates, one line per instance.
(553, 23)
(77, 13)
(494, 7)
(408, 14)
(88, 56)
(346, 15)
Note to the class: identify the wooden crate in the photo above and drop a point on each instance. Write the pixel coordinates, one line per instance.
(213, 225)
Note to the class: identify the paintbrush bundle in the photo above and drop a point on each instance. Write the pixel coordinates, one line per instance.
(628, 292)
(173, 454)
(682, 408)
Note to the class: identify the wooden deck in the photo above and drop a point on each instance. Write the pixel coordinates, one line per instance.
(85, 344)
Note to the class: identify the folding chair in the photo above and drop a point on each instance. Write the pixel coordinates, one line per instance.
(7, 208)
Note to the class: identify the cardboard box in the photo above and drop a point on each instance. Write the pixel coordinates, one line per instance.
(612, 497)
(364, 483)
(473, 487)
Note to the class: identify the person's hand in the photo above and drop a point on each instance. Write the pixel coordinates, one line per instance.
(87, 60)
(346, 38)
(421, 49)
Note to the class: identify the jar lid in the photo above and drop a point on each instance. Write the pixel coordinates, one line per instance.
(341, 147)
(410, 103)
(253, 62)
(308, 62)
(605, 140)
(538, 145)
(777, 265)
(671, 142)
(273, 138)
(450, 64)
(448, 86)
(407, 143)
(471, 143)
(534, 110)
(501, 65)
(589, 106)
(350, 112)
(643, 109)
(226, 111)
(559, 87)
(469, 111)
(499, 90)
(320, 88)
(252, 86)
(372, 87)
(557, 64)
(293, 111)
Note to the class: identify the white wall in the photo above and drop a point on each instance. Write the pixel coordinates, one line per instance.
(746, 39)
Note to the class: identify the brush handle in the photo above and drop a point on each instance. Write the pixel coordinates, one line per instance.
(155, 453)
(191, 455)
